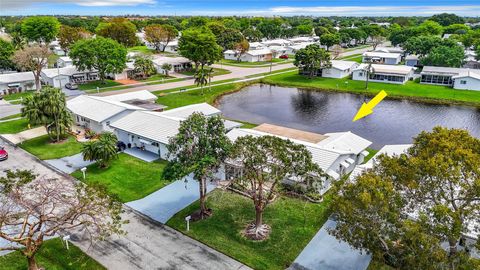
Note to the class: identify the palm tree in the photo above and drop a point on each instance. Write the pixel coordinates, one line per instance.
(144, 66)
(210, 76)
(167, 67)
(369, 70)
(102, 150)
(201, 78)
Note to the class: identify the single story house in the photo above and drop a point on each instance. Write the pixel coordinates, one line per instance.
(64, 61)
(469, 80)
(151, 131)
(339, 69)
(16, 82)
(471, 60)
(278, 51)
(277, 42)
(458, 78)
(384, 73)
(336, 154)
(143, 99)
(96, 113)
(256, 45)
(171, 47)
(58, 77)
(250, 56)
(292, 49)
(382, 58)
(411, 60)
(55, 48)
(179, 64)
(301, 39)
(399, 50)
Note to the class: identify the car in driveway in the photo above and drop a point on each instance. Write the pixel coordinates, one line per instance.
(283, 56)
(3, 154)
(71, 86)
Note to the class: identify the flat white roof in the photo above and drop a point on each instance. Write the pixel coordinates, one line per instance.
(382, 54)
(443, 70)
(66, 71)
(160, 60)
(97, 108)
(468, 74)
(259, 52)
(344, 142)
(388, 69)
(343, 65)
(185, 111)
(17, 77)
(137, 95)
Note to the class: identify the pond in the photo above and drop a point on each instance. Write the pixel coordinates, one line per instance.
(393, 121)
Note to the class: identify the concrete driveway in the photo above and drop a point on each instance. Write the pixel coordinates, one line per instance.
(7, 109)
(69, 164)
(166, 202)
(147, 244)
(25, 135)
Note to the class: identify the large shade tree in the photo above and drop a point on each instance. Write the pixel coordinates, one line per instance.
(403, 209)
(329, 40)
(160, 35)
(311, 59)
(42, 29)
(119, 29)
(199, 148)
(445, 56)
(200, 46)
(6, 53)
(32, 58)
(265, 161)
(104, 55)
(33, 208)
(69, 35)
(48, 108)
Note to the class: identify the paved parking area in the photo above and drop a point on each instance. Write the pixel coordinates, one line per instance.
(26, 135)
(69, 164)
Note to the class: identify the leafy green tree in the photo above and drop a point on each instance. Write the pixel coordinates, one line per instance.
(446, 19)
(445, 56)
(160, 35)
(456, 29)
(48, 108)
(252, 35)
(199, 45)
(421, 45)
(33, 58)
(477, 52)
(41, 207)
(430, 28)
(199, 148)
(403, 209)
(229, 38)
(241, 48)
(6, 53)
(119, 29)
(270, 28)
(102, 150)
(69, 35)
(329, 40)
(144, 65)
(42, 29)
(265, 162)
(18, 41)
(102, 54)
(320, 31)
(304, 29)
(311, 59)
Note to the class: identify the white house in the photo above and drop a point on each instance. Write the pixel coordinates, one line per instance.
(301, 39)
(399, 50)
(469, 80)
(277, 42)
(336, 154)
(384, 73)
(256, 45)
(171, 47)
(278, 51)
(16, 82)
(458, 78)
(151, 131)
(64, 61)
(339, 69)
(58, 77)
(382, 58)
(250, 56)
(96, 113)
(179, 64)
(292, 49)
(411, 60)
(471, 60)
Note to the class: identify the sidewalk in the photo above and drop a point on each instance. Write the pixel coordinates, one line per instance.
(25, 135)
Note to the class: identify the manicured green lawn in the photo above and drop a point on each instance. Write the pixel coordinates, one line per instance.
(261, 63)
(142, 49)
(93, 85)
(409, 90)
(155, 77)
(166, 81)
(355, 57)
(294, 223)
(216, 72)
(42, 148)
(14, 126)
(371, 153)
(11, 116)
(127, 177)
(16, 96)
(52, 256)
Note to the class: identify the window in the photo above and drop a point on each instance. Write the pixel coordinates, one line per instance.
(360, 74)
(463, 82)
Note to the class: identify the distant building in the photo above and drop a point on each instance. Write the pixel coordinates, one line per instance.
(386, 58)
(250, 56)
(64, 61)
(384, 73)
(16, 82)
(58, 77)
(179, 64)
(458, 78)
(411, 60)
(338, 69)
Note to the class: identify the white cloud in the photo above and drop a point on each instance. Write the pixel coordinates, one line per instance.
(16, 4)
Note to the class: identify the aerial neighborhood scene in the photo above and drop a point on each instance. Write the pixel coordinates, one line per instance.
(304, 135)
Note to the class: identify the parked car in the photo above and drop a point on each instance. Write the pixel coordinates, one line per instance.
(283, 56)
(71, 86)
(3, 154)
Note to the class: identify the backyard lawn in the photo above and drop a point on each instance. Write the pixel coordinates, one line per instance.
(355, 57)
(254, 64)
(13, 126)
(127, 177)
(141, 49)
(42, 148)
(216, 72)
(294, 222)
(52, 256)
(16, 96)
(409, 90)
(93, 85)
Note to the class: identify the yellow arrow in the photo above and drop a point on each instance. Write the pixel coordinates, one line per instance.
(367, 108)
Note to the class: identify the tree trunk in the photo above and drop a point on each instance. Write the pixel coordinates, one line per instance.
(258, 217)
(38, 85)
(32, 263)
(452, 246)
(203, 207)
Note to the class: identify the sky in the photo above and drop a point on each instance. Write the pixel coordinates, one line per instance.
(240, 7)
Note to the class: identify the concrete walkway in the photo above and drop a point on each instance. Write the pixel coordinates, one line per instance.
(69, 164)
(7, 109)
(147, 244)
(166, 202)
(25, 135)
(325, 252)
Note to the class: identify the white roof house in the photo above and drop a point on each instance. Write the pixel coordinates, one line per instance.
(301, 39)
(384, 73)
(390, 49)
(256, 45)
(339, 69)
(387, 58)
(276, 42)
(458, 78)
(185, 111)
(18, 80)
(469, 80)
(292, 49)
(64, 61)
(263, 54)
(178, 63)
(344, 142)
(143, 95)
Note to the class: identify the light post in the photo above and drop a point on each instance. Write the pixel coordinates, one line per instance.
(84, 169)
(66, 238)
(187, 219)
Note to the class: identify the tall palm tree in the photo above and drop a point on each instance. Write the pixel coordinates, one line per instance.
(210, 76)
(369, 70)
(201, 78)
(102, 150)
